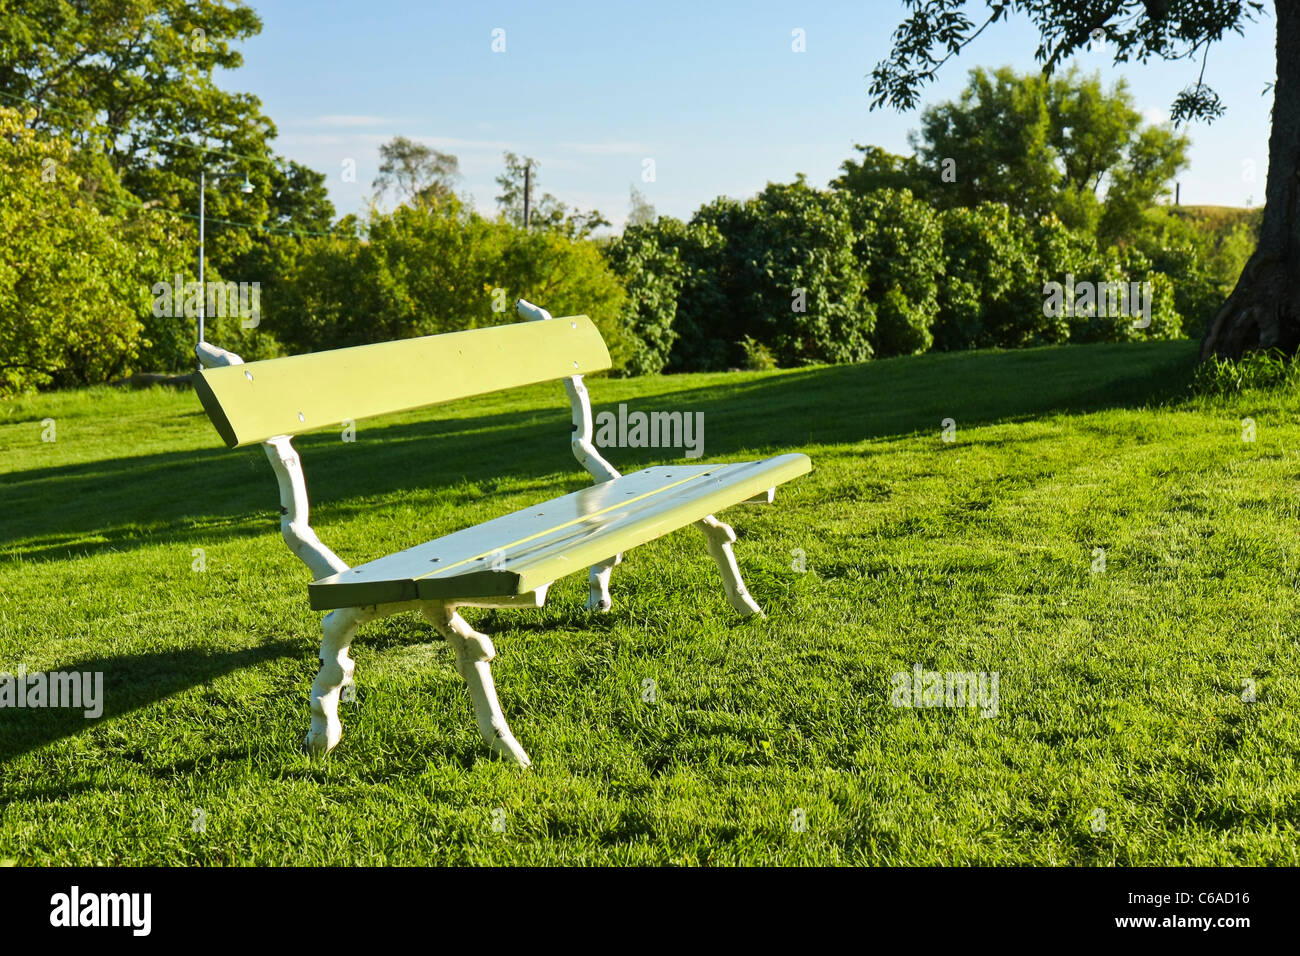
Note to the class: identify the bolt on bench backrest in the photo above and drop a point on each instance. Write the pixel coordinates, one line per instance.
(256, 401)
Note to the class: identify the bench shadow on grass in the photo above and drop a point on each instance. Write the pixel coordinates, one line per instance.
(131, 682)
(210, 495)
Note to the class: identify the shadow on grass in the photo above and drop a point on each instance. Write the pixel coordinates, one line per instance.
(131, 682)
(111, 504)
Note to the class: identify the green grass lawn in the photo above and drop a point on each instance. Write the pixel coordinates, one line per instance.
(1120, 692)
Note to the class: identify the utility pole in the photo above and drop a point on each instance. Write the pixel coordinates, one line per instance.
(528, 182)
(1178, 191)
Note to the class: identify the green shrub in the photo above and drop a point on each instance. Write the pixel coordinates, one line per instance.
(902, 326)
(649, 265)
(1129, 270)
(74, 281)
(899, 246)
(779, 268)
(1060, 252)
(436, 267)
(758, 358)
(991, 282)
(1177, 248)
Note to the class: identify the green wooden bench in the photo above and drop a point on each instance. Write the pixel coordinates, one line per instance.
(507, 562)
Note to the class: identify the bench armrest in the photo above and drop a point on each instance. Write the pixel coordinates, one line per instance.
(294, 526)
(584, 449)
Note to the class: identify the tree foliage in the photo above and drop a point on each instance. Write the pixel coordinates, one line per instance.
(648, 262)
(132, 85)
(1048, 147)
(899, 247)
(74, 283)
(544, 210)
(991, 294)
(880, 169)
(410, 170)
(934, 31)
(782, 270)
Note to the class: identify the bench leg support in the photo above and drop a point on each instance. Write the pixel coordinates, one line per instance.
(474, 653)
(720, 538)
(598, 598)
(337, 670)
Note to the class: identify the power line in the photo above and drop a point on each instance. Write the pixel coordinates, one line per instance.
(145, 207)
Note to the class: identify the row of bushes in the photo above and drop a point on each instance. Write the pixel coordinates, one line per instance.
(791, 277)
(435, 267)
(803, 275)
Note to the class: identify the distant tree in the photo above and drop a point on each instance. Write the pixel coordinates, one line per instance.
(640, 211)
(1154, 158)
(880, 169)
(1045, 146)
(415, 172)
(1263, 310)
(580, 225)
(1101, 140)
(545, 211)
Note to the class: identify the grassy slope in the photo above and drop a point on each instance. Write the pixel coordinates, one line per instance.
(1119, 691)
(1221, 220)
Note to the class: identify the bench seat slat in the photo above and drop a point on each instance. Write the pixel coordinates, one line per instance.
(517, 553)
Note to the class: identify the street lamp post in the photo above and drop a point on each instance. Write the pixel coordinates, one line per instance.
(246, 188)
(203, 289)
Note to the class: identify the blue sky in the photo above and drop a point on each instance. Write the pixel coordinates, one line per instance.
(711, 92)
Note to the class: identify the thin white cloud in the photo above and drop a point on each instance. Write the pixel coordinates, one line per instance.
(447, 143)
(345, 120)
(613, 147)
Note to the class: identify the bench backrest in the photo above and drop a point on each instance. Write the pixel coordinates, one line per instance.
(286, 396)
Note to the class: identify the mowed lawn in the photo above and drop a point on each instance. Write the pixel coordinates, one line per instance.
(1125, 731)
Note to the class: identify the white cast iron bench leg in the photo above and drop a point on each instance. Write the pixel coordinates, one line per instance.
(598, 598)
(474, 653)
(337, 670)
(720, 538)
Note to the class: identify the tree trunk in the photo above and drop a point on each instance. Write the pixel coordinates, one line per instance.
(1264, 309)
